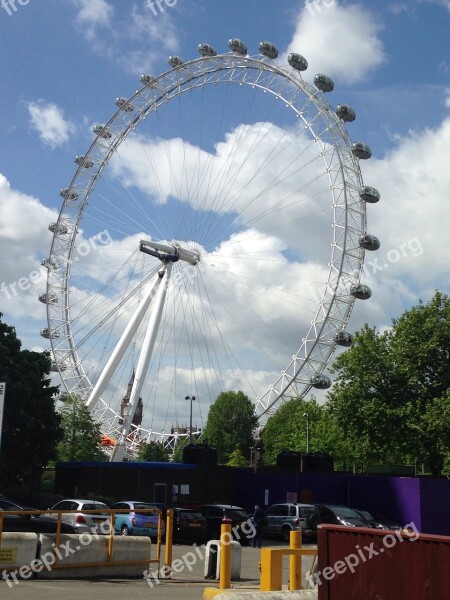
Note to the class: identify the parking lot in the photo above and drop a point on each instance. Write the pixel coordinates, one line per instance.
(189, 582)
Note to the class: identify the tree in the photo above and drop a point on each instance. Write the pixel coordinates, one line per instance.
(237, 459)
(391, 392)
(230, 425)
(178, 451)
(82, 435)
(31, 424)
(287, 430)
(153, 452)
(422, 351)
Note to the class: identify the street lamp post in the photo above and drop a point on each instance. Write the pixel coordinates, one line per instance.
(191, 399)
(307, 432)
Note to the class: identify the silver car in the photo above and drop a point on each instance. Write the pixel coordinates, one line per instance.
(84, 522)
(285, 517)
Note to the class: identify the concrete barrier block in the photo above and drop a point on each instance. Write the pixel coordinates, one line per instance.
(212, 560)
(254, 595)
(85, 548)
(18, 549)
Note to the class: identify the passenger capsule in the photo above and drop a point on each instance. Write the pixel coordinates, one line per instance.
(369, 194)
(361, 292)
(323, 83)
(297, 61)
(369, 242)
(52, 299)
(268, 49)
(175, 61)
(68, 194)
(148, 79)
(102, 132)
(124, 104)
(321, 382)
(343, 338)
(58, 228)
(345, 113)
(206, 50)
(50, 263)
(361, 150)
(49, 333)
(55, 367)
(84, 161)
(237, 46)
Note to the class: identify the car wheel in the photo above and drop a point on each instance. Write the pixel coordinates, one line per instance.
(125, 530)
(285, 534)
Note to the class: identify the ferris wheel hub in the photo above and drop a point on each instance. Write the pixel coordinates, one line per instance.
(173, 252)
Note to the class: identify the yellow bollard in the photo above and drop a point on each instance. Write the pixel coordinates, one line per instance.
(225, 556)
(168, 549)
(295, 561)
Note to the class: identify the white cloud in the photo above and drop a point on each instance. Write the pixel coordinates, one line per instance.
(92, 15)
(24, 241)
(135, 41)
(341, 41)
(48, 120)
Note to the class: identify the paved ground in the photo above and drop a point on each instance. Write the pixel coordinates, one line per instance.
(186, 584)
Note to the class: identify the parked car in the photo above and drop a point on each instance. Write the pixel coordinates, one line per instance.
(27, 522)
(216, 514)
(189, 525)
(335, 514)
(132, 521)
(285, 517)
(377, 520)
(84, 522)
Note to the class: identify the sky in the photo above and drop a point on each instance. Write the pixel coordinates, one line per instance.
(64, 63)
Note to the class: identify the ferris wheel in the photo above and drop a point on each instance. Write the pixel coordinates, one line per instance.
(211, 239)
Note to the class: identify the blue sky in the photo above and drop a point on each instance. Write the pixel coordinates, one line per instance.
(64, 62)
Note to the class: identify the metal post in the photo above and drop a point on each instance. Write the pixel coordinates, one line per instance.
(307, 432)
(168, 549)
(192, 399)
(225, 556)
(295, 561)
(2, 403)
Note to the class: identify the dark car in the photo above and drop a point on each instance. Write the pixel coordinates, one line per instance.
(30, 523)
(189, 525)
(216, 514)
(377, 520)
(335, 514)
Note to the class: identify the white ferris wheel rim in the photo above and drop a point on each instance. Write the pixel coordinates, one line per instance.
(334, 307)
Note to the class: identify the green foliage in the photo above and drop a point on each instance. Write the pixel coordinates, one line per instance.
(391, 394)
(82, 434)
(178, 452)
(237, 459)
(31, 424)
(287, 430)
(153, 452)
(230, 425)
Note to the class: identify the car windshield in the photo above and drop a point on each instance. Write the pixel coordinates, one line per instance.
(190, 516)
(99, 506)
(306, 511)
(234, 513)
(141, 506)
(346, 513)
(367, 515)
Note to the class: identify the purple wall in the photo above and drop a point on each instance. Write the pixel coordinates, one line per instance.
(425, 502)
